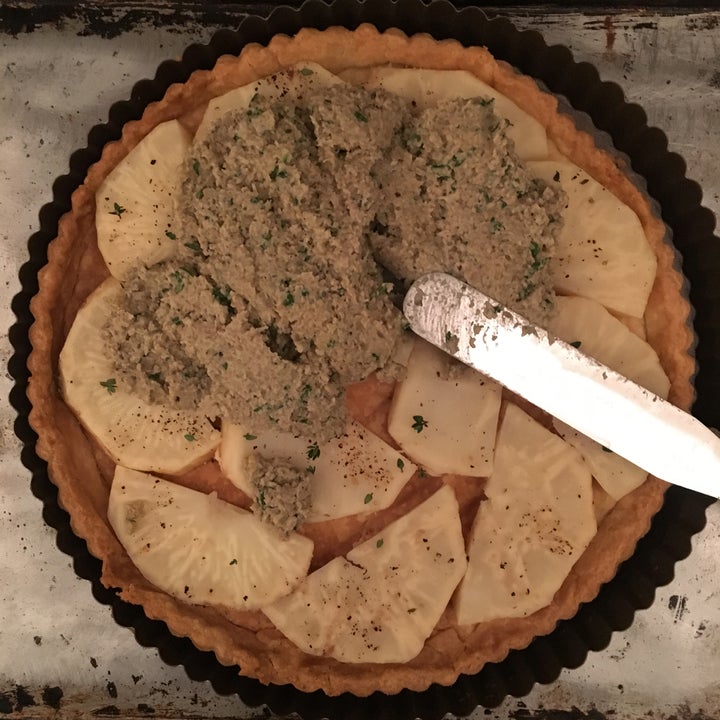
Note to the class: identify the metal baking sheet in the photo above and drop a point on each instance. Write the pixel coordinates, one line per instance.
(61, 653)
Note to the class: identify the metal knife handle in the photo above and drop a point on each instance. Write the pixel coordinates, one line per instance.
(576, 389)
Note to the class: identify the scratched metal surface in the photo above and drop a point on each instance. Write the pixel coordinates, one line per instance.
(58, 647)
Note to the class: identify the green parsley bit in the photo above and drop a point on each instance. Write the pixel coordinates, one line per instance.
(178, 281)
(401, 463)
(495, 225)
(222, 297)
(190, 437)
(306, 71)
(368, 498)
(110, 385)
(419, 423)
(196, 167)
(289, 299)
(118, 210)
(276, 173)
(313, 451)
(171, 235)
(379, 543)
(224, 366)
(200, 194)
(176, 320)
(360, 116)
(193, 245)
(248, 436)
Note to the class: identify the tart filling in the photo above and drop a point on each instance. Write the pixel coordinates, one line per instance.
(522, 505)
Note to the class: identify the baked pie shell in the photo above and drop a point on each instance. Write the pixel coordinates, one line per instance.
(82, 472)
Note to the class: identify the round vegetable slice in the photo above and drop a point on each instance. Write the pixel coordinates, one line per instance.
(201, 549)
(602, 252)
(595, 332)
(616, 475)
(537, 521)
(134, 204)
(588, 325)
(445, 416)
(381, 603)
(355, 473)
(133, 432)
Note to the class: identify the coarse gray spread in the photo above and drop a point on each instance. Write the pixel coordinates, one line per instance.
(299, 218)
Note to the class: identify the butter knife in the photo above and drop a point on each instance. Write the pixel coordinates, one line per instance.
(555, 376)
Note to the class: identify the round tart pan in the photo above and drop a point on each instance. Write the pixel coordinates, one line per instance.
(692, 226)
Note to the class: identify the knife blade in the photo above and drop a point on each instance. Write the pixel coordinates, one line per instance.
(558, 378)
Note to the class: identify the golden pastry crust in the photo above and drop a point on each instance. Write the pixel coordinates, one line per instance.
(83, 472)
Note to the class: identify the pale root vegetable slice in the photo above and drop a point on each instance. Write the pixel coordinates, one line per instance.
(355, 473)
(537, 521)
(432, 87)
(615, 474)
(602, 502)
(134, 433)
(381, 603)
(201, 549)
(134, 204)
(595, 332)
(272, 87)
(602, 252)
(445, 416)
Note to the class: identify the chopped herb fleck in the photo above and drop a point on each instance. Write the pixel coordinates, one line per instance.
(176, 320)
(419, 423)
(313, 451)
(289, 299)
(190, 437)
(222, 296)
(196, 167)
(248, 436)
(110, 385)
(118, 210)
(495, 225)
(360, 116)
(276, 173)
(171, 235)
(401, 463)
(379, 543)
(306, 71)
(178, 281)
(193, 245)
(368, 498)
